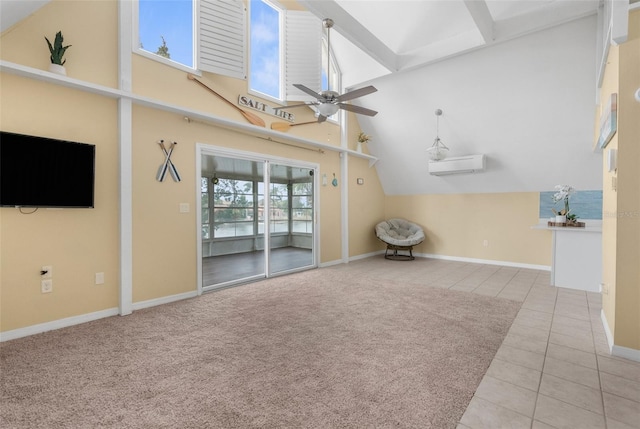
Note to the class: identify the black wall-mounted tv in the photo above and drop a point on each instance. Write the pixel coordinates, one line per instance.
(43, 172)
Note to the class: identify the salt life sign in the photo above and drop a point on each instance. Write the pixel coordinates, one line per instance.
(245, 101)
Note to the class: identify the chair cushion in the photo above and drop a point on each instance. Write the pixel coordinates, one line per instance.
(399, 232)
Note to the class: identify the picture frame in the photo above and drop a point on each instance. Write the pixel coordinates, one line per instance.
(608, 122)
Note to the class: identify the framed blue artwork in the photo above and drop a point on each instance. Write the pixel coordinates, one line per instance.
(608, 122)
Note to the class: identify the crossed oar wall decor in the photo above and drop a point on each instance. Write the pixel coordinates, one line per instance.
(167, 164)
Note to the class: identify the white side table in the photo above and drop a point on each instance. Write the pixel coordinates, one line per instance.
(576, 257)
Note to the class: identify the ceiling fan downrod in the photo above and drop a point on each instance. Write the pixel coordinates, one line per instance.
(328, 24)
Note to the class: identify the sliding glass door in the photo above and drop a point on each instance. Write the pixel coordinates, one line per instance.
(291, 218)
(239, 196)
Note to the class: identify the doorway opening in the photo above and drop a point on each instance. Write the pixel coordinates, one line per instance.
(257, 217)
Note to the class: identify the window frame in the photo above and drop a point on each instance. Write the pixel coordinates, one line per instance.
(281, 52)
(136, 49)
(254, 194)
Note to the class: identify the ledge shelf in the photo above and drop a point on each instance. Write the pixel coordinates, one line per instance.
(105, 91)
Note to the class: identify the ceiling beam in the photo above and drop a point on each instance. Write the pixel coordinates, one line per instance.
(354, 31)
(552, 14)
(482, 18)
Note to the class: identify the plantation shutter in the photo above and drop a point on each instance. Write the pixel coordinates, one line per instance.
(222, 46)
(303, 54)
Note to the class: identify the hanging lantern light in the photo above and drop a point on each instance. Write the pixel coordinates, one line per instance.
(438, 150)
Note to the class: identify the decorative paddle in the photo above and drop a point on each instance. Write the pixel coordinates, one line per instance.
(284, 127)
(254, 119)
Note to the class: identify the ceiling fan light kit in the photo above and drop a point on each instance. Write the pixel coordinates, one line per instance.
(328, 109)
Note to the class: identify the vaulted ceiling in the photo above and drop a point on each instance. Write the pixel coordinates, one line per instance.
(515, 78)
(374, 38)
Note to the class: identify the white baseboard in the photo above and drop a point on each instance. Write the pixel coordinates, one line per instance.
(485, 261)
(607, 331)
(366, 255)
(458, 259)
(57, 324)
(331, 263)
(164, 300)
(619, 351)
(89, 317)
(626, 353)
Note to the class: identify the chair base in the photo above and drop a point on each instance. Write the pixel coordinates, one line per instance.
(395, 256)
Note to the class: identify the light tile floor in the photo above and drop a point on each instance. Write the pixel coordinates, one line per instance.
(553, 369)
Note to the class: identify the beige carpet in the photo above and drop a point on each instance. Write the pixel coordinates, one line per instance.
(309, 350)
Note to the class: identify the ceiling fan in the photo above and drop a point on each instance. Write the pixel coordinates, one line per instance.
(329, 102)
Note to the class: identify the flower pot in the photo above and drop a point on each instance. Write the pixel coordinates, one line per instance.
(561, 219)
(58, 69)
(359, 147)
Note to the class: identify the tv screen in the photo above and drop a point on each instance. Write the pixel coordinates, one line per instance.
(43, 172)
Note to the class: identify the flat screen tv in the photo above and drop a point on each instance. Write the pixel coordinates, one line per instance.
(43, 172)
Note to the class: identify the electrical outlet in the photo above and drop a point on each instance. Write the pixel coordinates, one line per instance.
(99, 278)
(46, 286)
(47, 270)
(485, 243)
(604, 288)
(184, 208)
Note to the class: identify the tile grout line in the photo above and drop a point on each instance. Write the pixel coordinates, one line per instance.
(595, 353)
(544, 363)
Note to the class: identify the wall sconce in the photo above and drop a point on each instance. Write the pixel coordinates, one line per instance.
(438, 150)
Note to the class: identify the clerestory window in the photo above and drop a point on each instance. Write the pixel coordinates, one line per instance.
(207, 35)
(210, 35)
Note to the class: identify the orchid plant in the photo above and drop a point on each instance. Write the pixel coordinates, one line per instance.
(563, 192)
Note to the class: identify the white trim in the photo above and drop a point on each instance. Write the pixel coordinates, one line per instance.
(164, 300)
(195, 115)
(57, 324)
(198, 190)
(484, 261)
(366, 255)
(462, 259)
(344, 202)
(331, 263)
(607, 331)
(626, 353)
(125, 133)
(618, 351)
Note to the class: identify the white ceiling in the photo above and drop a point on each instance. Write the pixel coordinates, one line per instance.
(377, 37)
(14, 11)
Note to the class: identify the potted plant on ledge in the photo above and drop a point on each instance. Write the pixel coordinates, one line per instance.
(57, 52)
(362, 138)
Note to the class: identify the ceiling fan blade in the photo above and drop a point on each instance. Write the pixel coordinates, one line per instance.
(356, 93)
(307, 90)
(357, 109)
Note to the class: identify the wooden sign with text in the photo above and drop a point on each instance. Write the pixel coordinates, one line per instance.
(245, 101)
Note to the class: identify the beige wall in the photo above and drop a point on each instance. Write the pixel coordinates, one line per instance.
(80, 242)
(609, 196)
(76, 242)
(458, 224)
(621, 226)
